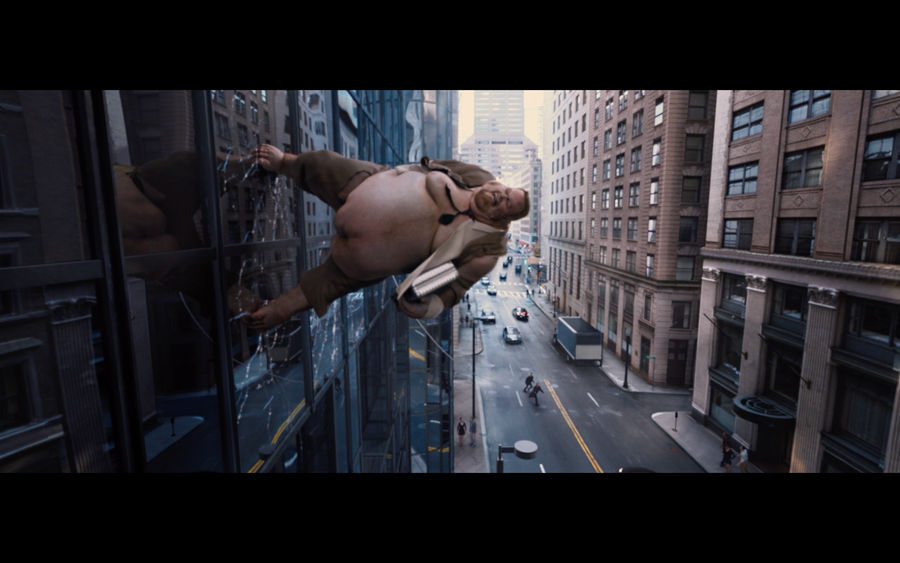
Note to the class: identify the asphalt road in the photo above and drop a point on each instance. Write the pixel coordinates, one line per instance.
(583, 423)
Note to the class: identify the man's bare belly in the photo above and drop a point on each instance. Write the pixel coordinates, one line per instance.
(389, 224)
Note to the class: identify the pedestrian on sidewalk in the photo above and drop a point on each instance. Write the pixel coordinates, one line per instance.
(528, 381)
(727, 458)
(743, 458)
(461, 430)
(724, 447)
(472, 428)
(537, 389)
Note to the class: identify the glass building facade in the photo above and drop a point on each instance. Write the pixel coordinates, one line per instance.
(136, 231)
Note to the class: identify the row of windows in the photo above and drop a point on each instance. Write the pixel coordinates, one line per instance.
(685, 265)
(658, 106)
(804, 168)
(557, 206)
(565, 262)
(803, 104)
(691, 187)
(694, 148)
(688, 229)
(795, 237)
(874, 240)
(690, 194)
(564, 160)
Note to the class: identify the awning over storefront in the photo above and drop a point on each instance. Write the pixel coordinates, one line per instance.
(761, 410)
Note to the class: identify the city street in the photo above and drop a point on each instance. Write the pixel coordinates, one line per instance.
(583, 422)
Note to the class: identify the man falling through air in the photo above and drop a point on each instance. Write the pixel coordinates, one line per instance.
(388, 221)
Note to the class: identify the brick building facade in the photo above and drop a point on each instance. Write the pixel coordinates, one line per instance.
(800, 304)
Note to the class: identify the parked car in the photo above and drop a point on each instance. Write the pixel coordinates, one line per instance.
(485, 281)
(520, 313)
(491, 290)
(511, 335)
(487, 317)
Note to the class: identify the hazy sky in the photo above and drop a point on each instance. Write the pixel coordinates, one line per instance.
(533, 98)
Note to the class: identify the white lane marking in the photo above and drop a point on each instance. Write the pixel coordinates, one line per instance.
(594, 400)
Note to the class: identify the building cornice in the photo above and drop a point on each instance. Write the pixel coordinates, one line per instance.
(638, 279)
(870, 272)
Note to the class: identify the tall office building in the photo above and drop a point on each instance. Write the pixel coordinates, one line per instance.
(498, 142)
(648, 180)
(799, 335)
(566, 198)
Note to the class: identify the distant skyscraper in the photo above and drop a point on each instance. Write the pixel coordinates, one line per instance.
(498, 143)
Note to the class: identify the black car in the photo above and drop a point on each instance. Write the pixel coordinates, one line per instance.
(520, 313)
(503, 276)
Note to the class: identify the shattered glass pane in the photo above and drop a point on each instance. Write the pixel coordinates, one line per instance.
(327, 351)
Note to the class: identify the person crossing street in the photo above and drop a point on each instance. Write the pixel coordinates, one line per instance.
(528, 382)
(537, 389)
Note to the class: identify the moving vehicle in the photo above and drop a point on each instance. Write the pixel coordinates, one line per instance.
(511, 335)
(503, 276)
(485, 281)
(491, 290)
(520, 313)
(487, 317)
(578, 339)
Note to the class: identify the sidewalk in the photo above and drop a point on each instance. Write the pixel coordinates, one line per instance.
(698, 441)
(466, 458)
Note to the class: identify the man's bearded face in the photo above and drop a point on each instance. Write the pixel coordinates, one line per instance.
(499, 202)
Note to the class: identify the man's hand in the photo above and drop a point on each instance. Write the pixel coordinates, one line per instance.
(427, 308)
(415, 308)
(270, 158)
(241, 299)
(269, 315)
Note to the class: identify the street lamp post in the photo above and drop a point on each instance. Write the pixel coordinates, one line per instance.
(473, 366)
(524, 449)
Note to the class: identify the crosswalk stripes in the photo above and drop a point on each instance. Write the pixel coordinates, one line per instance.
(500, 293)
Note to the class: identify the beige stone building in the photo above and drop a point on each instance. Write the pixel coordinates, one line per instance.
(647, 182)
(566, 234)
(799, 325)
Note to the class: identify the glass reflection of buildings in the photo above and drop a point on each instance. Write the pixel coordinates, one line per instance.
(122, 280)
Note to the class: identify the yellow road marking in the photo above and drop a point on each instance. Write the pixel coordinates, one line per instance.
(259, 463)
(574, 430)
(284, 425)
